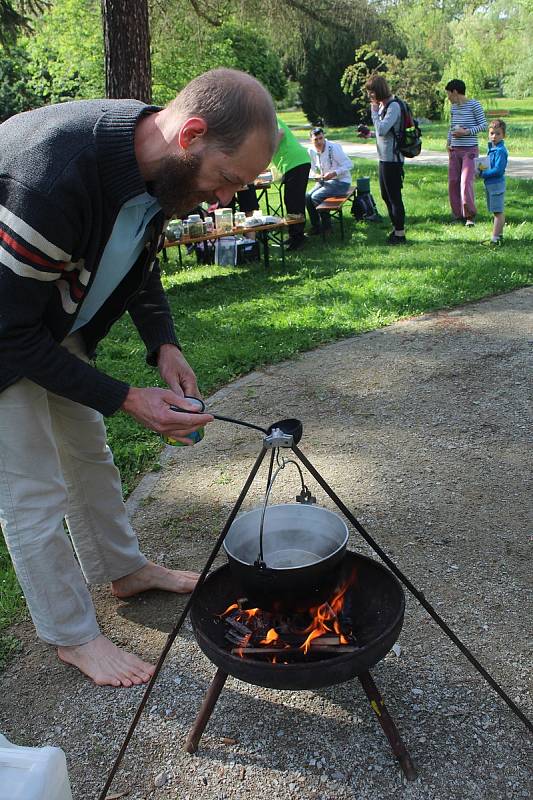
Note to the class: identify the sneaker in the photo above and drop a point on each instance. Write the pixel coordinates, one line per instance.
(393, 239)
(469, 223)
(492, 243)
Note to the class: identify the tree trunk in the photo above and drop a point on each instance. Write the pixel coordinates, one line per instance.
(128, 70)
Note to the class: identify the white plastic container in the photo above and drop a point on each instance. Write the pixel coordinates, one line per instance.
(33, 773)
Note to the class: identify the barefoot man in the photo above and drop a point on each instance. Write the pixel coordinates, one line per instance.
(85, 190)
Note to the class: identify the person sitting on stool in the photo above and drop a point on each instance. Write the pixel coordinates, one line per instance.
(331, 168)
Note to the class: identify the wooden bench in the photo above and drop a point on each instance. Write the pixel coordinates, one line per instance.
(335, 205)
(495, 113)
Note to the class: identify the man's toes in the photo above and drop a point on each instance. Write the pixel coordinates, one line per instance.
(104, 680)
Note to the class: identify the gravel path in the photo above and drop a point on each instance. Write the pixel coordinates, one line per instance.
(421, 429)
(517, 167)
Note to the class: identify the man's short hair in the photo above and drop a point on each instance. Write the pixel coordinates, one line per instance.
(456, 85)
(233, 104)
(498, 123)
(316, 131)
(378, 86)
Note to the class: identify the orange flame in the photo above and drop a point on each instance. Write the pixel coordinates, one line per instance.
(324, 622)
(272, 636)
(325, 618)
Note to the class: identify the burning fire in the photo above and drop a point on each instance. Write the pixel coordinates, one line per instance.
(262, 633)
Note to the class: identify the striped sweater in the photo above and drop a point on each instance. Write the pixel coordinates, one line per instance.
(65, 172)
(468, 115)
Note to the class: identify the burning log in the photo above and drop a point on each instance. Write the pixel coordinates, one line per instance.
(322, 631)
(289, 651)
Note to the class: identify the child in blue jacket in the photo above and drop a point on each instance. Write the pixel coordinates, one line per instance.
(494, 178)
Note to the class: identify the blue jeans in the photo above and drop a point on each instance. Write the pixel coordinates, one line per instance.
(318, 193)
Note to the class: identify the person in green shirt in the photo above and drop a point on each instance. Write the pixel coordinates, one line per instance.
(292, 160)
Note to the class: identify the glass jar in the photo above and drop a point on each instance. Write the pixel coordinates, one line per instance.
(174, 230)
(240, 218)
(196, 225)
(208, 225)
(224, 220)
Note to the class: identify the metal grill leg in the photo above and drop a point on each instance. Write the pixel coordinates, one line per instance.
(209, 702)
(389, 728)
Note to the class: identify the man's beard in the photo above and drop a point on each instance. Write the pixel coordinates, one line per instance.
(175, 184)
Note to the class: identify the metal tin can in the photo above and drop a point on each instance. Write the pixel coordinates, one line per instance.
(195, 436)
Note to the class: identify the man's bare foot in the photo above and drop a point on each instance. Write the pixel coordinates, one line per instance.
(153, 576)
(106, 664)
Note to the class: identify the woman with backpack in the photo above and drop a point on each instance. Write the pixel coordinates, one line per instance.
(386, 114)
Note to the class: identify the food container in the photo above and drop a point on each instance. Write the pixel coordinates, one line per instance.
(240, 219)
(196, 225)
(195, 436)
(174, 230)
(208, 225)
(224, 220)
(33, 773)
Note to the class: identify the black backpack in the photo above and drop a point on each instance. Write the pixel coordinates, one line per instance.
(408, 140)
(364, 208)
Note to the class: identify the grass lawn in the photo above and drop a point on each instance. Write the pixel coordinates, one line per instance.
(519, 138)
(232, 320)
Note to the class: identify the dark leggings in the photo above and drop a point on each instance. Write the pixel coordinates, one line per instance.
(391, 183)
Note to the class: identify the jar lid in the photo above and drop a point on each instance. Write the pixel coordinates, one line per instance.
(194, 218)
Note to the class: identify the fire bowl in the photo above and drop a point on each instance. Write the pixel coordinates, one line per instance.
(377, 606)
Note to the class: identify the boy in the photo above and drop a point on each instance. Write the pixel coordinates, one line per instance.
(494, 178)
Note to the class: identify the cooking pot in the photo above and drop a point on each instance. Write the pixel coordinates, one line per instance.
(287, 556)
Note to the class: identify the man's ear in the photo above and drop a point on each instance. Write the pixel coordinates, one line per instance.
(191, 130)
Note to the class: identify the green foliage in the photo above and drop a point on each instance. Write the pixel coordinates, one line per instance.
(182, 49)
(368, 60)
(327, 55)
(66, 51)
(417, 82)
(16, 93)
(410, 78)
(253, 53)
(11, 23)
(517, 48)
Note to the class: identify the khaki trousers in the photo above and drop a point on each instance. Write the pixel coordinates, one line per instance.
(56, 467)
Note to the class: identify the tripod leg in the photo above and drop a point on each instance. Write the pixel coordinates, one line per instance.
(387, 723)
(209, 702)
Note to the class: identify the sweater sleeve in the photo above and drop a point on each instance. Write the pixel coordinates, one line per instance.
(392, 115)
(479, 116)
(151, 315)
(38, 276)
(500, 164)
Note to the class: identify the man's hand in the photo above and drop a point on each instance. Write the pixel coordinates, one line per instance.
(458, 132)
(329, 176)
(151, 408)
(176, 372)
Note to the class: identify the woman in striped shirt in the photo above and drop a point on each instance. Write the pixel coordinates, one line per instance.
(466, 121)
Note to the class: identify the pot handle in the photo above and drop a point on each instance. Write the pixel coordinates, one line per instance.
(305, 496)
